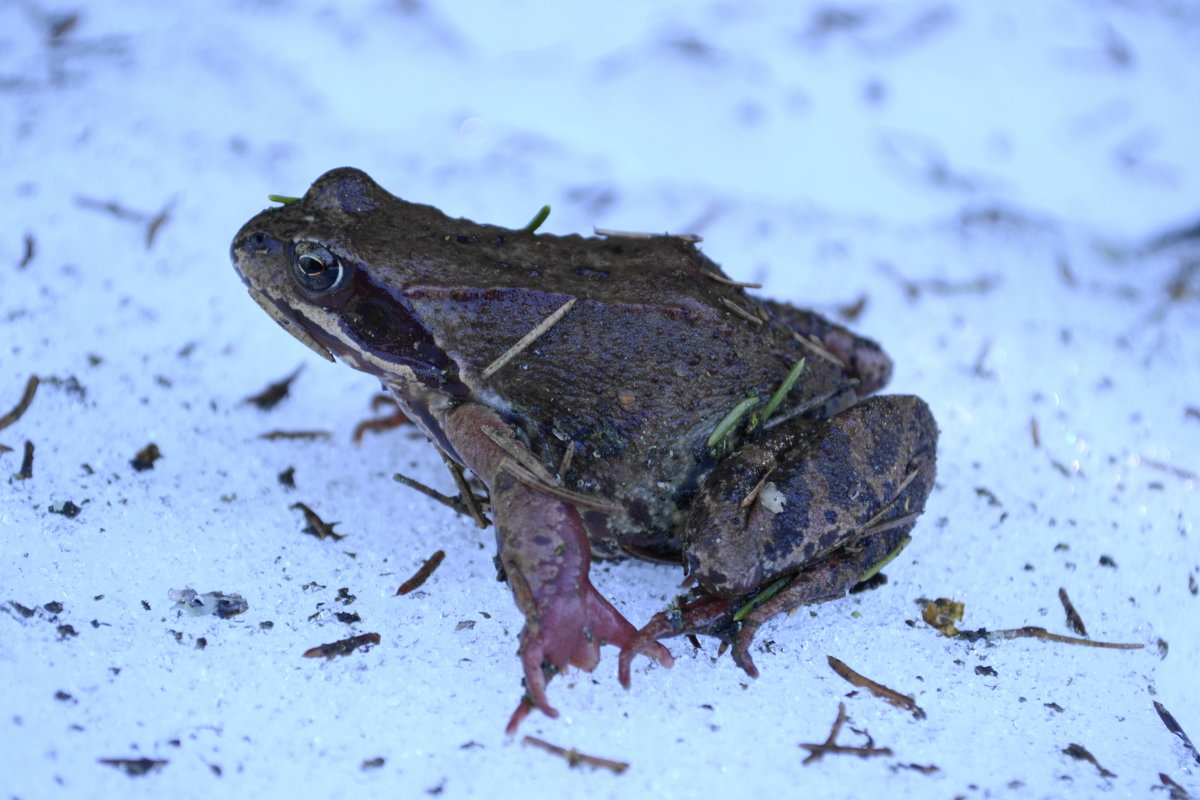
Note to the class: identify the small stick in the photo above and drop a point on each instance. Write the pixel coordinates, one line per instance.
(1074, 621)
(687, 237)
(528, 339)
(154, 225)
(1034, 632)
(568, 456)
(273, 435)
(741, 312)
(1178, 472)
(22, 404)
(712, 276)
(575, 758)
(830, 745)
(877, 689)
(422, 575)
(30, 250)
(749, 499)
(472, 503)
(818, 349)
(455, 503)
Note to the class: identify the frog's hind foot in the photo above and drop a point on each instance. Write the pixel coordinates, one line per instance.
(694, 615)
(736, 620)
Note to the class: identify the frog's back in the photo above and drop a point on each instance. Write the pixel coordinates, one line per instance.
(633, 379)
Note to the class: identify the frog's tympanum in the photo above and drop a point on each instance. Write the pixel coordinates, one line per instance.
(617, 395)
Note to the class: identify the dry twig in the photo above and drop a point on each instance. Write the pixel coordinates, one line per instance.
(576, 758)
(877, 689)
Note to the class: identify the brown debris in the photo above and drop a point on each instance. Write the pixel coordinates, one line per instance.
(1074, 621)
(942, 614)
(1033, 432)
(1080, 753)
(273, 435)
(1178, 472)
(924, 769)
(1174, 727)
(152, 222)
(877, 689)
(1174, 790)
(422, 574)
(26, 471)
(850, 312)
(342, 647)
(146, 457)
(981, 359)
(269, 397)
(30, 251)
(1034, 632)
(155, 224)
(830, 745)
(575, 758)
(22, 404)
(135, 767)
(316, 526)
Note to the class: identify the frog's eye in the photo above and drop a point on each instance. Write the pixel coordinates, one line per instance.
(317, 269)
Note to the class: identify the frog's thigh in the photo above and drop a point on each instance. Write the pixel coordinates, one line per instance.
(821, 486)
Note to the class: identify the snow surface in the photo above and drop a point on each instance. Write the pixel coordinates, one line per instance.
(995, 179)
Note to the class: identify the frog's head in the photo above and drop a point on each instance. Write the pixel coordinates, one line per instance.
(324, 267)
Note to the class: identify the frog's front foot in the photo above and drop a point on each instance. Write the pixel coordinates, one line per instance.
(566, 619)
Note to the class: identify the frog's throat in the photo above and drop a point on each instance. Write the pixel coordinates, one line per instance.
(288, 324)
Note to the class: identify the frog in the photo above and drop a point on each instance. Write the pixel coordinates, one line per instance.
(617, 396)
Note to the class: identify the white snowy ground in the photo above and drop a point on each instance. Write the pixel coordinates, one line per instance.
(993, 179)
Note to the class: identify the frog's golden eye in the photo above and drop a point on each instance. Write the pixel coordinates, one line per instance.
(317, 269)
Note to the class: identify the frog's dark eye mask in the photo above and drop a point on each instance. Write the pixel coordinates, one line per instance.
(316, 269)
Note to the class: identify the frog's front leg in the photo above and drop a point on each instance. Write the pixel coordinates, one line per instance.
(545, 554)
(798, 516)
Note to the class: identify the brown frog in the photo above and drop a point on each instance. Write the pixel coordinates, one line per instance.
(617, 395)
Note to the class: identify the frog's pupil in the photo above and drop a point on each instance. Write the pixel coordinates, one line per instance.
(311, 266)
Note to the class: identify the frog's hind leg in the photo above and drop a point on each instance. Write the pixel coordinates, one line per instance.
(828, 580)
(798, 517)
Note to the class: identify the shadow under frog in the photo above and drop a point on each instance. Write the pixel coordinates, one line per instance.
(618, 396)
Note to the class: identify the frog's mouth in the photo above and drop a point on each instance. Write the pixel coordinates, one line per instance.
(288, 324)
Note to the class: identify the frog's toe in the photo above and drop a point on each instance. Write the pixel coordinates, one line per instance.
(568, 631)
(645, 643)
(741, 649)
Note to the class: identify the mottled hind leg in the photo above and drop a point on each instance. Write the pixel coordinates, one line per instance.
(798, 516)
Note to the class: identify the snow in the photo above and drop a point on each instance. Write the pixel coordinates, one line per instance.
(995, 179)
